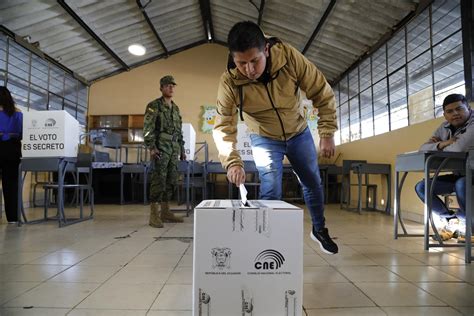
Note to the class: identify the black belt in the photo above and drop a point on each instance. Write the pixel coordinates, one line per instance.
(169, 137)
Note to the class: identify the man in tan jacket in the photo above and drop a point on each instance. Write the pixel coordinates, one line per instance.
(262, 84)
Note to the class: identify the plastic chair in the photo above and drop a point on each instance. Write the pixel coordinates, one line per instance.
(213, 170)
(136, 172)
(83, 165)
(114, 141)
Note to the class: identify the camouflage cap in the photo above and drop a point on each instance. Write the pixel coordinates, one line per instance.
(167, 80)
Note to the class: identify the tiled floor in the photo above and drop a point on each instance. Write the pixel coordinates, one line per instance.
(114, 265)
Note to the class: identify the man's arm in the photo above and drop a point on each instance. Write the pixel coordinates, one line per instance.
(435, 139)
(225, 127)
(318, 90)
(149, 135)
(181, 137)
(463, 141)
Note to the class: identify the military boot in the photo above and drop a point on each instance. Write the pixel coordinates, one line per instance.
(167, 216)
(155, 215)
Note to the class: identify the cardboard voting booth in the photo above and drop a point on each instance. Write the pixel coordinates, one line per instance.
(189, 137)
(50, 134)
(243, 142)
(247, 260)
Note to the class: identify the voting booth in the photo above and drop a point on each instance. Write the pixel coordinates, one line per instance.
(189, 137)
(50, 134)
(247, 260)
(243, 142)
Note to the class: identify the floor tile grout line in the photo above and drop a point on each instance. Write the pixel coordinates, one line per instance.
(121, 268)
(46, 280)
(164, 284)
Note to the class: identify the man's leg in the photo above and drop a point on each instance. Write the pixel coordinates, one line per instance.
(157, 189)
(444, 185)
(303, 157)
(268, 156)
(460, 189)
(171, 183)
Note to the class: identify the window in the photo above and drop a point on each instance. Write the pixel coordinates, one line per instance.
(70, 107)
(345, 133)
(3, 58)
(37, 84)
(354, 119)
(55, 102)
(396, 51)
(353, 83)
(448, 67)
(366, 111)
(381, 122)
(379, 65)
(405, 80)
(343, 90)
(398, 100)
(365, 74)
(418, 35)
(39, 99)
(446, 19)
(420, 88)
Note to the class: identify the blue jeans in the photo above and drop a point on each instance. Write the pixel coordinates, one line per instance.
(268, 156)
(445, 184)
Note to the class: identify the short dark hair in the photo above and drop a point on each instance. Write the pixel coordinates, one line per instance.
(455, 97)
(245, 35)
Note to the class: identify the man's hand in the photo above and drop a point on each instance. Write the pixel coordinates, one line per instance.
(236, 175)
(434, 139)
(155, 154)
(446, 143)
(182, 156)
(327, 148)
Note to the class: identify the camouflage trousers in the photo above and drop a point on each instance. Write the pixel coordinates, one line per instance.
(164, 177)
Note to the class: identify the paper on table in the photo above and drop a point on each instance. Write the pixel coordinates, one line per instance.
(243, 194)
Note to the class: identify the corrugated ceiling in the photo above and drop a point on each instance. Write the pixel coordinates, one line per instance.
(91, 37)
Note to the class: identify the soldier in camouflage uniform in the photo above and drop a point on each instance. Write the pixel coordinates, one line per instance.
(164, 137)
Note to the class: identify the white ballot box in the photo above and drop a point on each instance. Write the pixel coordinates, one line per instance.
(189, 137)
(247, 260)
(50, 134)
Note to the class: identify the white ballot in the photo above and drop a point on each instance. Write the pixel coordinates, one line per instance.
(243, 194)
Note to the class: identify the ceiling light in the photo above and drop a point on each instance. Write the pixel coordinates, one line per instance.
(137, 49)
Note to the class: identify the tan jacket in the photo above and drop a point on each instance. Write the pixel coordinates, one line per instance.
(289, 71)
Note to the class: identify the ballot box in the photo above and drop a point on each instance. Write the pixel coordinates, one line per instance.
(247, 260)
(49, 134)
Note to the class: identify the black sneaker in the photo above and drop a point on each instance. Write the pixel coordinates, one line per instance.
(324, 240)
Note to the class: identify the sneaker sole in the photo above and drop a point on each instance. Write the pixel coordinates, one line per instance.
(321, 245)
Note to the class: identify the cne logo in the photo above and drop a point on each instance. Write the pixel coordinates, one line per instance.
(269, 259)
(50, 122)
